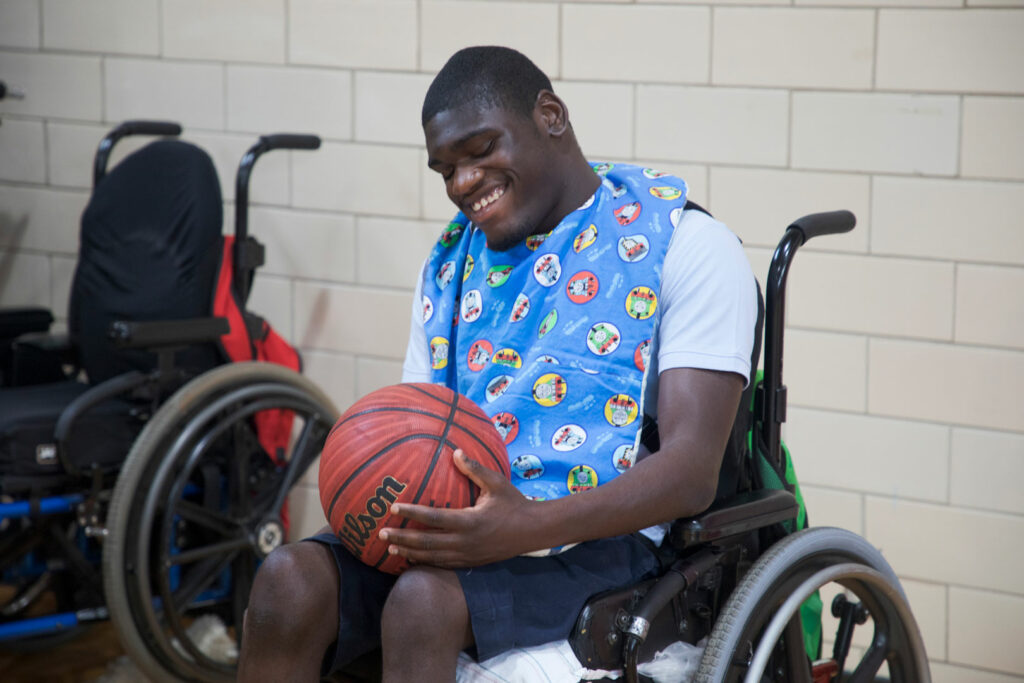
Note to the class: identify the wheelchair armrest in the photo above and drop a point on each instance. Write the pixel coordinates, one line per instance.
(153, 334)
(46, 342)
(15, 322)
(38, 358)
(746, 512)
(115, 386)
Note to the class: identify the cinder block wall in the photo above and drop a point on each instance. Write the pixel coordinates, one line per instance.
(905, 349)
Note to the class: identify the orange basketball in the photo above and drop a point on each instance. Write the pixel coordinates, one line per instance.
(396, 444)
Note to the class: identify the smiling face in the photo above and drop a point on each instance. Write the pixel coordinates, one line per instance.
(503, 170)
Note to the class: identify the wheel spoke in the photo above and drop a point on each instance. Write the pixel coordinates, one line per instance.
(199, 579)
(205, 551)
(211, 519)
(298, 463)
(867, 670)
(239, 486)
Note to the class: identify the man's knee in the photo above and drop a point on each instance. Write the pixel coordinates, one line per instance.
(427, 600)
(295, 591)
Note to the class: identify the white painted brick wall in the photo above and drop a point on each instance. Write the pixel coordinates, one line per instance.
(265, 99)
(19, 23)
(24, 151)
(602, 117)
(984, 629)
(913, 134)
(904, 358)
(106, 26)
(760, 202)
(904, 297)
(875, 455)
(723, 125)
(388, 107)
(957, 220)
(985, 470)
(447, 25)
(24, 279)
(966, 385)
(196, 29)
(993, 139)
(975, 51)
(646, 44)
(379, 34)
(191, 93)
(803, 48)
(40, 219)
(63, 86)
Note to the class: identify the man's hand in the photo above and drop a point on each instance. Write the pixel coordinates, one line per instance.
(494, 529)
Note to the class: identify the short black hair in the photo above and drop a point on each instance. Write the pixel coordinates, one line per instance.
(488, 76)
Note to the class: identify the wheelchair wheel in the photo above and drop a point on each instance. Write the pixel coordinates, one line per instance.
(197, 506)
(745, 642)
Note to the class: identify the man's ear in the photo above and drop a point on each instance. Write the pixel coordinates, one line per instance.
(551, 113)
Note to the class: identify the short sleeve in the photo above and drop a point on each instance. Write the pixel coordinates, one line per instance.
(416, 367)
(708, 298)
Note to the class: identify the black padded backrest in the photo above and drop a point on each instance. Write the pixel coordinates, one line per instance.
(149, 249)
(735, 476)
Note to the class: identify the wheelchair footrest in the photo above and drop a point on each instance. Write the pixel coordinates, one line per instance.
(746, 512)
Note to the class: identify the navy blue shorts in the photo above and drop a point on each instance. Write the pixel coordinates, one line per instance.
(520, 602)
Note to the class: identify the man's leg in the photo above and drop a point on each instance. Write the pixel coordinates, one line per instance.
(292, 617)
(424, 626)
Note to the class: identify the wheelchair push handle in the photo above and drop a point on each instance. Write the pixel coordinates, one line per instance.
(136, 127)
(827, 223)
(772, 398)
(290, 141)
(248, 255)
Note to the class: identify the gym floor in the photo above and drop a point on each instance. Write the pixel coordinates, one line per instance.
(80, 659)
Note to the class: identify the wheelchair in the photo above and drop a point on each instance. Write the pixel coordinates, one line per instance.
(742, 579)
(146, 457)
(746, 573)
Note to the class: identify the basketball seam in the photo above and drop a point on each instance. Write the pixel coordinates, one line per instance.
(480, 441)
(482, 418)
(368, 461)
(442, 439)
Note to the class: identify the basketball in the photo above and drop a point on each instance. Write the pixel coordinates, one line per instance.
(395, 445)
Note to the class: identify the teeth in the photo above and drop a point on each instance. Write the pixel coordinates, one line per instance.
(489, 199)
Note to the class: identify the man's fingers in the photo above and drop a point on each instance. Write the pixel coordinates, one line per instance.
(439, 518)
(481, 476)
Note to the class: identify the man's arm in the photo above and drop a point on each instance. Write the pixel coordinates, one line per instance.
(695, 408)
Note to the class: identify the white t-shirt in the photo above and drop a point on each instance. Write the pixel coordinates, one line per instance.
(705, 318)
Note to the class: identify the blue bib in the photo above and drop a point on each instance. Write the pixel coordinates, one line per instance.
(552, 337)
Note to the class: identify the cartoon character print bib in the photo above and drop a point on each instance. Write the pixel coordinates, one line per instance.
(552, 338)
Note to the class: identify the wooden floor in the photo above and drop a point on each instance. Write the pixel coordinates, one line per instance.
(81, 659)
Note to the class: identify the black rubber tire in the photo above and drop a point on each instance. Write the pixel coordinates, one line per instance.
(138, 488)
(777, 574)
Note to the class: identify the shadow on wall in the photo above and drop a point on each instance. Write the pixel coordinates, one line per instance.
(12, 228)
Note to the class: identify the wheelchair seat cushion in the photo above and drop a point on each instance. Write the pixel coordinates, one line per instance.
(28, 419)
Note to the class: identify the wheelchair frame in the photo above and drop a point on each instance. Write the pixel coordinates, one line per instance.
(196, 504)
(747, 602)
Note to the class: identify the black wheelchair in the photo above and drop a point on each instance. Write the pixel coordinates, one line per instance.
(744, 570)
(146, 457)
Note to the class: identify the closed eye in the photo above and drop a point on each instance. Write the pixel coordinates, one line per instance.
(487, 150)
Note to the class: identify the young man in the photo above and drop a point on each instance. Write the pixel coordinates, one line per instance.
(573, 306)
